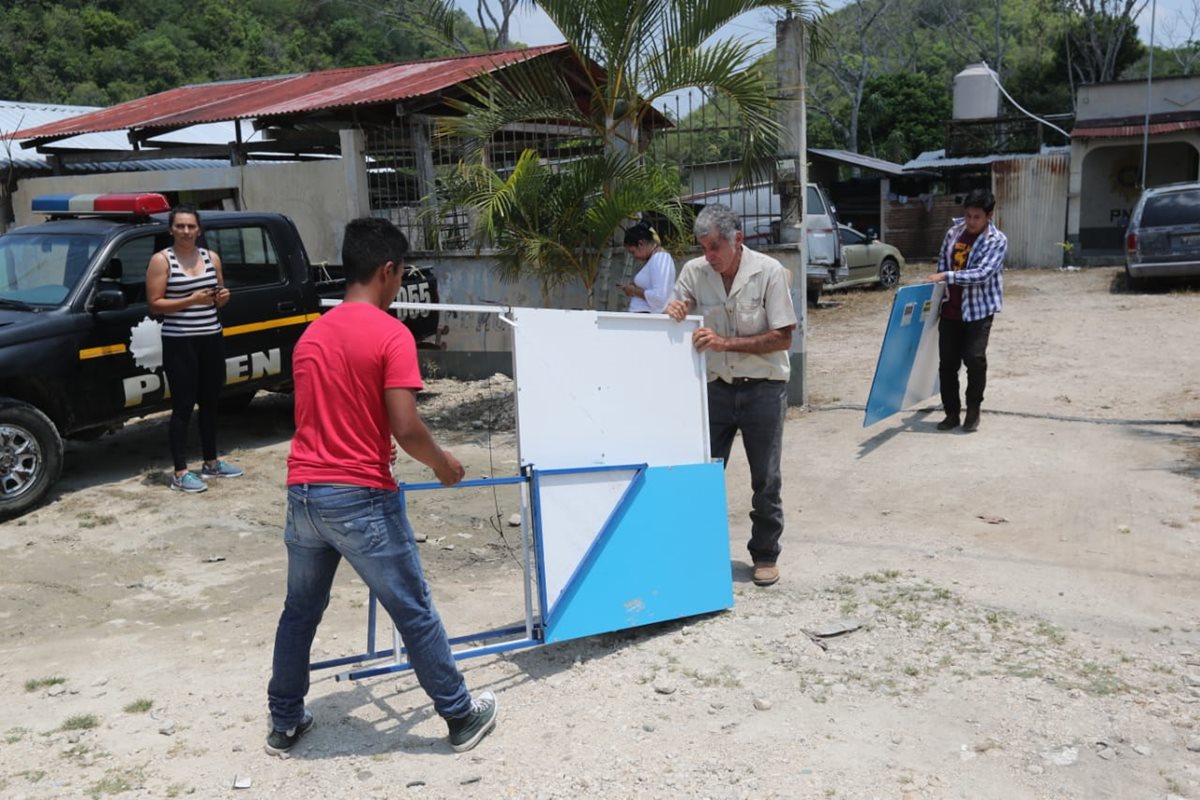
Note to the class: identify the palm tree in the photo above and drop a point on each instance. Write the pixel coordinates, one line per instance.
(634, 52)
(552, 223)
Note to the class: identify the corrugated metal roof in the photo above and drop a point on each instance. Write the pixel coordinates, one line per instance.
(859, 160)
(14, 115)
(1119, 131)
(288, 94)
(936, 159)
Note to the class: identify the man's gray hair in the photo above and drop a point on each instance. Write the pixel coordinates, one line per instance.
(718, 219)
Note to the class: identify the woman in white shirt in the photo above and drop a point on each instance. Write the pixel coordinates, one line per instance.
(651, 287)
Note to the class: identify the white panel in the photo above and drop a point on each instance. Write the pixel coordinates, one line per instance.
(607, 388)
(574, 507)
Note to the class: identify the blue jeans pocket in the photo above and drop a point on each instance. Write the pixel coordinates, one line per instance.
(354, 517)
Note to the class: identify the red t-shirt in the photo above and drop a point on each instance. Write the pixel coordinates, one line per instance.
(952, 306)
(341, 367)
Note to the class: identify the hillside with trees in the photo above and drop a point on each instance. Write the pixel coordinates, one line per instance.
(100, 52)
(881, 81)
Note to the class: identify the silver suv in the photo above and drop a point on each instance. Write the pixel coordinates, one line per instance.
(1163, 237)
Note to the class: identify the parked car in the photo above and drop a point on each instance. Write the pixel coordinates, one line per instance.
(868, 260)
(1163, 237)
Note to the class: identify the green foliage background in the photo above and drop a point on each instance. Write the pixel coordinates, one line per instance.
(100, 52)
(915, 47)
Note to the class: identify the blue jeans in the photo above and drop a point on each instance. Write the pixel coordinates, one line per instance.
(757, 410)
(369, 528)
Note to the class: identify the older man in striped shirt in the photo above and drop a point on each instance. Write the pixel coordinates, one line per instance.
(971, 263)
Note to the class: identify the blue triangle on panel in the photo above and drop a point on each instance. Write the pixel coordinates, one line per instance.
(663, 557)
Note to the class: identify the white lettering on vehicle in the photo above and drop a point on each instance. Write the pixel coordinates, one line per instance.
(238, 369)
(413, 293)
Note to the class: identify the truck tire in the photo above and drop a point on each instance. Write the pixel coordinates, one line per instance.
(235, 403)
(31, 457)
(814, 295)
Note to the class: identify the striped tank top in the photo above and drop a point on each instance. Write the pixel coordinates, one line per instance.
(193, 320)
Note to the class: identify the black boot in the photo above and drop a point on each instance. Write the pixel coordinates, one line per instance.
(971, 423)
(950, 422)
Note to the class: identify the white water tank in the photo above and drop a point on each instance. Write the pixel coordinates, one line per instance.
(976, 94)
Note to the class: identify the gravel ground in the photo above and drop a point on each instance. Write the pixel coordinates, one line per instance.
(1008, 614)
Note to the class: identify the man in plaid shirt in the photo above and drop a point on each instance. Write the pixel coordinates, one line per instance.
(971, 263)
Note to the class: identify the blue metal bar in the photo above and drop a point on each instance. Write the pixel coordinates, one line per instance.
(371, 655)
(520, 644)
(371, 616)
(599, 468)
(535, 502)
(344, 660)
(416, 487)
(526, 548)
(593, 551)
(483, 636)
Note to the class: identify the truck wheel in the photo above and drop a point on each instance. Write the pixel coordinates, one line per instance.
(1133, 284)
(31, 456)
(814, 295)
(235, 403)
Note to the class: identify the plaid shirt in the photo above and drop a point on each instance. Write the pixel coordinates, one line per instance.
(983, 277)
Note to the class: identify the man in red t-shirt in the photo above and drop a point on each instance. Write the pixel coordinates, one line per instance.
(356, 376)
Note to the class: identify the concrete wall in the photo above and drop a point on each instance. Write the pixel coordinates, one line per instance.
(312, 193)
(1128, 98)
(1104, 185)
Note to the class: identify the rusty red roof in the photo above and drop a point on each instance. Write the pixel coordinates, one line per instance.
(288, 94)
(1120, 131)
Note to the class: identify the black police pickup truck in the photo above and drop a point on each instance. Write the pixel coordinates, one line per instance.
(80, 352)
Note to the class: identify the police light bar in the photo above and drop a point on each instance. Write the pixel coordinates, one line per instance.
(133, 204)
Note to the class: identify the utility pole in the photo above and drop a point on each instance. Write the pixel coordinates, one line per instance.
(791, 181)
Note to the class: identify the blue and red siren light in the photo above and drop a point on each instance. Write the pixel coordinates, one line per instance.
(132, 204)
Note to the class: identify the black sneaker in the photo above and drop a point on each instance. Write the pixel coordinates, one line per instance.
(465, 732)
(279, 742)
(971, 423)
(949, 423)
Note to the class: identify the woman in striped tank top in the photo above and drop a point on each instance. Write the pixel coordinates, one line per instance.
(184, 284)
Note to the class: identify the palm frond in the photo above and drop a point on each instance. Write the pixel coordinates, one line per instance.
(522, 93)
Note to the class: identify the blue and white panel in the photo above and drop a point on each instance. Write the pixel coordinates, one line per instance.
(572, 510)
(907, 371)
(663, 554)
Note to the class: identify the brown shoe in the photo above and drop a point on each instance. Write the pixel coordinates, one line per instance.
(765, 574)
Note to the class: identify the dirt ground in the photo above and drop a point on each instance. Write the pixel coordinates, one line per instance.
(1028, 600)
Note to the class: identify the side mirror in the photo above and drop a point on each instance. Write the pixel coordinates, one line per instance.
(108, 299)
(871, 235)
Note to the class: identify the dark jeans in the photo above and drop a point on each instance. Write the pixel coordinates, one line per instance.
(195, 369)
(962, 343)
(368, 527)
(757, 410)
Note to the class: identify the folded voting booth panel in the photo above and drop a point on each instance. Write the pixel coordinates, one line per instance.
(906, 372)
(624, 518)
